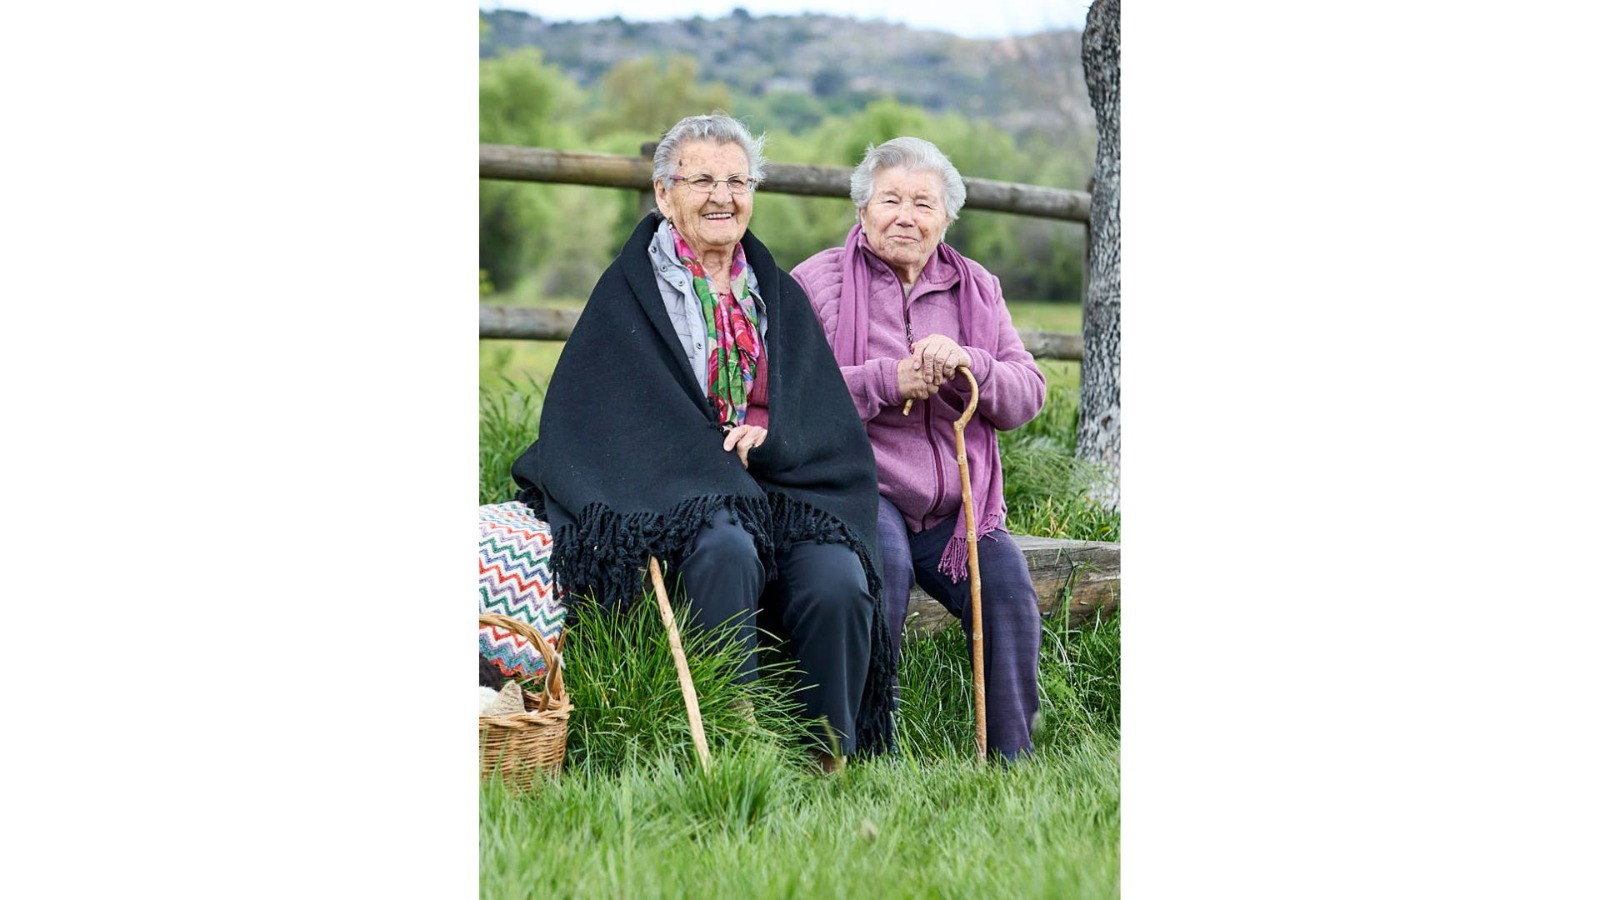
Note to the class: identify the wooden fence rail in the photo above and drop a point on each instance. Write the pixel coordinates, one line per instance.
(508, 163)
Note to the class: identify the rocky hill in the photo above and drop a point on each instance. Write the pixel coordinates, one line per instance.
(1030, 86)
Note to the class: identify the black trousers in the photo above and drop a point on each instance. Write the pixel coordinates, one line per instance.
(816, 601)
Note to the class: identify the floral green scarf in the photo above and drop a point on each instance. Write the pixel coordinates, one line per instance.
(732, 331)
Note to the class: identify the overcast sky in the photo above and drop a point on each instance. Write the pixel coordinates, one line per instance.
(971, 18)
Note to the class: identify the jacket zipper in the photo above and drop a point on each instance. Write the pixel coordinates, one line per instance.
(927, 426)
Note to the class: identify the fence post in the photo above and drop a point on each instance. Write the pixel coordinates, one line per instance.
(647, 199)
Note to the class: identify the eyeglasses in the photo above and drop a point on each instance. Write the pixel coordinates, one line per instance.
(705, 184)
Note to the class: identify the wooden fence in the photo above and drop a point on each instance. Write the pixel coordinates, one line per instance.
(1089, 571)
(508, 163)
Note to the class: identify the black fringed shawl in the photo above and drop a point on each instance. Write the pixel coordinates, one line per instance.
(629, 461)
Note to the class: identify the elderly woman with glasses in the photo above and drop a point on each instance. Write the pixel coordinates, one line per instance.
(902, 311)
(697, 415)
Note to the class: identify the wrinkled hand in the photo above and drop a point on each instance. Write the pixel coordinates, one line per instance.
(742, 438)
(936, 357)
(908, 375)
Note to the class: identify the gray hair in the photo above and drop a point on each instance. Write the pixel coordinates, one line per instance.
(718, 128)
(913, 154)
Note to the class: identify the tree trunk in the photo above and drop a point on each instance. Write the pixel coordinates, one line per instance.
(1100, 397)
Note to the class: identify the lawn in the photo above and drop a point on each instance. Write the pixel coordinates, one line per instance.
(633, 815)
(757, 827)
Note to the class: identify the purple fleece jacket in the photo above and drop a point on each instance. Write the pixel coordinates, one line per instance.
(916, 454)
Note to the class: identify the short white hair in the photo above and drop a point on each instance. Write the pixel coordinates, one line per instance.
(912, 154)
(718, 128)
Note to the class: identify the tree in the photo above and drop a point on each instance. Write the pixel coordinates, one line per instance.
(793, 110)
(651, 93)
(521, 101)
(1100, 398)
(830, 80)
(844, 139)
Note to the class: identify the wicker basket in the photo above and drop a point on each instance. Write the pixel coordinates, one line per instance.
(523, 744)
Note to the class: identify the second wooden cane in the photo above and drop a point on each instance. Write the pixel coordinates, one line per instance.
(691, 700)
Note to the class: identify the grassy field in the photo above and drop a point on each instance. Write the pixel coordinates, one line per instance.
(632, 815)
(757, 828)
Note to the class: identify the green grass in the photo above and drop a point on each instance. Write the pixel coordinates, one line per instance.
(633, 815)
(1029, 314)
(629, 709)
(508, 422)
(755, 828)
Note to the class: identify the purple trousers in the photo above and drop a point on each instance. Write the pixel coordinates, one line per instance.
(1011, 629)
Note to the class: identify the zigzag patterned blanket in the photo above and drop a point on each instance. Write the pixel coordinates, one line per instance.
(514, 580)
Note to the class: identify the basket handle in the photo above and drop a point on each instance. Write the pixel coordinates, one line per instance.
(552, 661)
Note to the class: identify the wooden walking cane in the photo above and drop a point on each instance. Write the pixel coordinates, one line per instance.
(685, 682)
(973, 578)
(975, 582)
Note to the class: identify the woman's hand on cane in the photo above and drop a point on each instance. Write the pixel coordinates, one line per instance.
(934, 361)
(939, 356)
(908, 375)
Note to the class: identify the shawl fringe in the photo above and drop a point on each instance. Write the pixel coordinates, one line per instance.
(603, 555)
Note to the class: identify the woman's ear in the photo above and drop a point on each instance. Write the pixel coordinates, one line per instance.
(662, 203)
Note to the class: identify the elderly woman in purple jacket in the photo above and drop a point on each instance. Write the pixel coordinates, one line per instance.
(902, 310)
